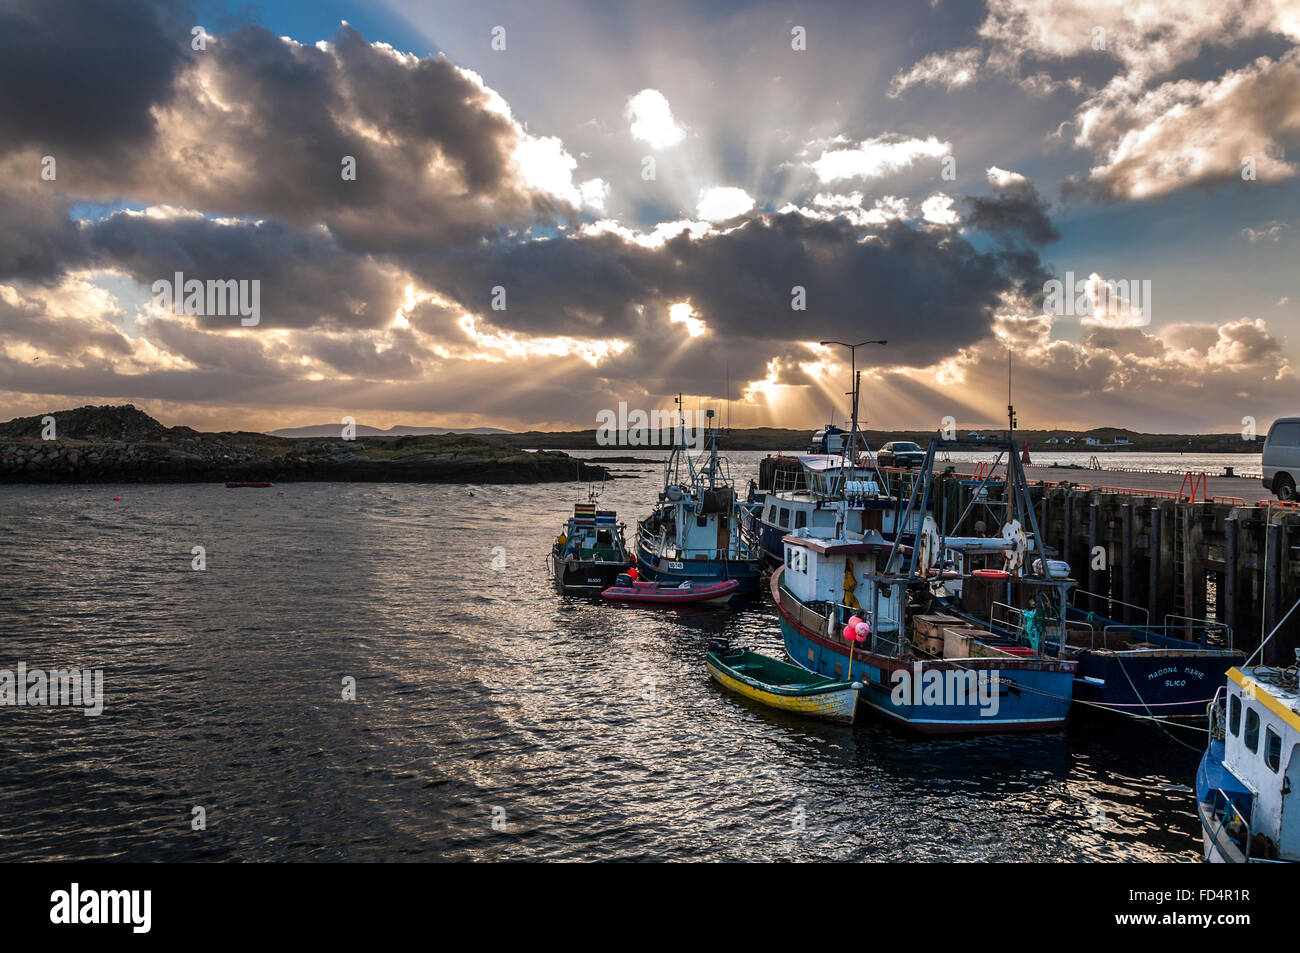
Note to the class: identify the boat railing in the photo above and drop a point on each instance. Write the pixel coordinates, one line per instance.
(1165, 631)
(1221, 817)
(805, 616)
(1096, 597)
(1009, 618)
(787, 481)
(1205, 625)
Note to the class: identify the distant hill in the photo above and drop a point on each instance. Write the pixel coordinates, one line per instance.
(333, 430)
(124, 422)
(123, 444)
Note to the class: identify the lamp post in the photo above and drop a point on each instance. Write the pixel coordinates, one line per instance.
(853, 365)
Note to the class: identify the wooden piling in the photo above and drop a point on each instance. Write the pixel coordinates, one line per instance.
(1153, 562)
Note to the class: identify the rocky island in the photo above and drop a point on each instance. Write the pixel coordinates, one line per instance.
(122, 444)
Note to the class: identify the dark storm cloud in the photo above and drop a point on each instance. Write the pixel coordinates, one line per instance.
(252, 125)
(1016, 213)
(927, 290)
(433, 158)
(77, 77)
(38, 241)
(306, 281)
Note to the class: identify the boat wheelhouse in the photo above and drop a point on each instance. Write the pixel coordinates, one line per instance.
(696, 531)
(824, 494)
(1248, 782)
(590, 552)
(829, 440)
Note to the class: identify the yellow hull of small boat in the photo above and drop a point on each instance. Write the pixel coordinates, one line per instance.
(838, 706)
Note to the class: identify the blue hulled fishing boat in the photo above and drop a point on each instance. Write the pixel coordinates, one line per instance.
(696, 532)
(851, 607)
(996, 584)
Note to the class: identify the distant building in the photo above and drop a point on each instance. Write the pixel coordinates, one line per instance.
(1093, 441)
(1122, 441)
(1051, 440)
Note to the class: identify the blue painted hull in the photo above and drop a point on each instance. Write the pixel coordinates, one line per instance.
(1028, 699)
(1177, 679)
(673, 572)
(1031, 694)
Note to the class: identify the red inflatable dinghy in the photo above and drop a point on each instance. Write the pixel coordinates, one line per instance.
(688, 593)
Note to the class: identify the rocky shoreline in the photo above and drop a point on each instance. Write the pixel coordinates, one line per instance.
(125, 445)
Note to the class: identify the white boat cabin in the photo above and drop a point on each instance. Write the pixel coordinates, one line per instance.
(703, 526)
(828, 498)
(845, 571)
(1262, 750)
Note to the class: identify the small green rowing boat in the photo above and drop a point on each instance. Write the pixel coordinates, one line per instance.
(783, 685)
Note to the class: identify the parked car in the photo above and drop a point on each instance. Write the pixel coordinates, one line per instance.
(1282, 457)
(900, 453)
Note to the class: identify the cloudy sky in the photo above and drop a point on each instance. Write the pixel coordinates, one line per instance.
(518, 214)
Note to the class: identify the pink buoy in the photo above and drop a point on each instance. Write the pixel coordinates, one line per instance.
(849, 634)
(863, 631)
(855, 621)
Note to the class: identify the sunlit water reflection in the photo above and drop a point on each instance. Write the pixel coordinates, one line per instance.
(592, 731)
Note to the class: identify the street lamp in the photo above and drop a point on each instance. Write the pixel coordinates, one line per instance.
(853, 366)
(853, 350)
(853, 369)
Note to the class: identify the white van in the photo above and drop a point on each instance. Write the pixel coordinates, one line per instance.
(1282, 457)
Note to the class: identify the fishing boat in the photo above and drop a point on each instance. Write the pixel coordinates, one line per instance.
(807, 492)
(696, 531)
(1000, 584)
(850, 601)
(779, 684)
(590, 552)
(688, 593)
(1248, 781)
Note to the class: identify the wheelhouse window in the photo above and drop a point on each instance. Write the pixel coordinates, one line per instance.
(1252, 730)
(1272, 749)
(785, 517)
(800, 519)
(1234, 714)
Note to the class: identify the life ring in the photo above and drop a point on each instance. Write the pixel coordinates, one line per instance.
(991, 574)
